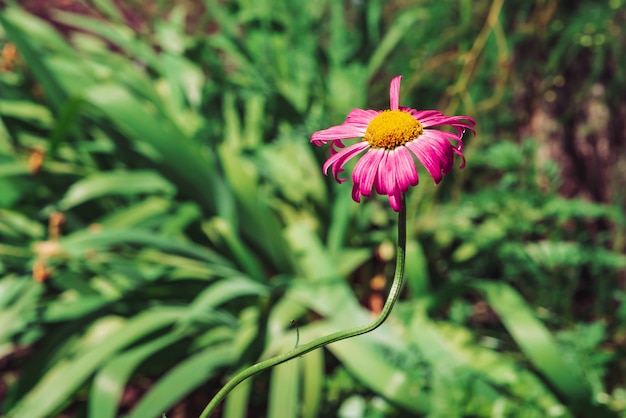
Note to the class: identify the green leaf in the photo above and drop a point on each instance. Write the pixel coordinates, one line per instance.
(397, 31)
(182, 379)
(284, 392)
(224, 291)
(236, 403)
(16, 224)
(137, 214)
(30, 35)
(20, 302)
(554, 254)
(14, 168)
(79, 242)
(364, 357)
(256, 221)
(191, 171)
(313, 385)
(115, 183)
(416, 269)
(109, 383)
(65, 124)
(121, 35)
(467, 378)
(64, 310)
(33, 113)
(60, 382)
(540, 346)
(110, 9)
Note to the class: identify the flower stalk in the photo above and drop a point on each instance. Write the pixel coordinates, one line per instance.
(393, 296)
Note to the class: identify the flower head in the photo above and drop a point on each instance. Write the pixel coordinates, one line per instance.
(392, 139)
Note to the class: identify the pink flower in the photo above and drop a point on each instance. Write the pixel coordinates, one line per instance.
(391, 139)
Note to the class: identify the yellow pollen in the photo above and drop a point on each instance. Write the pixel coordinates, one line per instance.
(391, 129)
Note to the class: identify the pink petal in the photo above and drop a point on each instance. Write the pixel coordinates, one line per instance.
(355, 193)
(346, 131)
(434, 152)
(388, 171)
(379, 179)
(341, 157)
(395, 201)
(458, 148)
(423, 116)
(404, 166)
(335, 146)
(459, 123)
(365, 170)
(440, 146)
(394, 93)
(458, 152)
(360, 116)
(389, 182)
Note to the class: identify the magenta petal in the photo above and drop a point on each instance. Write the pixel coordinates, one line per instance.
(434, 152)
(425, 117)
(365, 170)
(355, 193)
(390, 182)
(458, 123)
(458, 152)
(336, 146)
(395, 201)
(440, 146)
(427, 161)
(405, 168)
(394, 93)
(345, 131)
(338, 160)
(379, 175)
(360, 116)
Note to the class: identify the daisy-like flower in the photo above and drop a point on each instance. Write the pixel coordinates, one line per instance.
(392, 139)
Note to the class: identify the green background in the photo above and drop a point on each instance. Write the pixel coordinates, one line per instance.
(164, 218)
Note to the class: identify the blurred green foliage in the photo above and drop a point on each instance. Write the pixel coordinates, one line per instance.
(163, 217)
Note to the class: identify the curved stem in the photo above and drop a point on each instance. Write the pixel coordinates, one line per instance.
(394, 293)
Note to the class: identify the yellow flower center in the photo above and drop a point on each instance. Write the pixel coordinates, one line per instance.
(391, 129)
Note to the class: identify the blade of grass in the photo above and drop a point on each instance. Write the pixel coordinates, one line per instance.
(226, 290)
(65, 123)
(313, 385)
(109, 383)
(535, 340)
(63, 310)
(180, 160)
(363, 357)
(257, 222)
(115, 183)
(182, 379)
(120, 35)
(21, 311)
(463, 368)
(26, 31)
(397, 31)
(284, 390)
(79, 242)
(137, 214)
(236, 403)
(56, 386)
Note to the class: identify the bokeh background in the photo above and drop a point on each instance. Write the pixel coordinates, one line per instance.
(164, 218)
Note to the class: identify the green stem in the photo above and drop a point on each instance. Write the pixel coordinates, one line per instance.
(394, 293)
